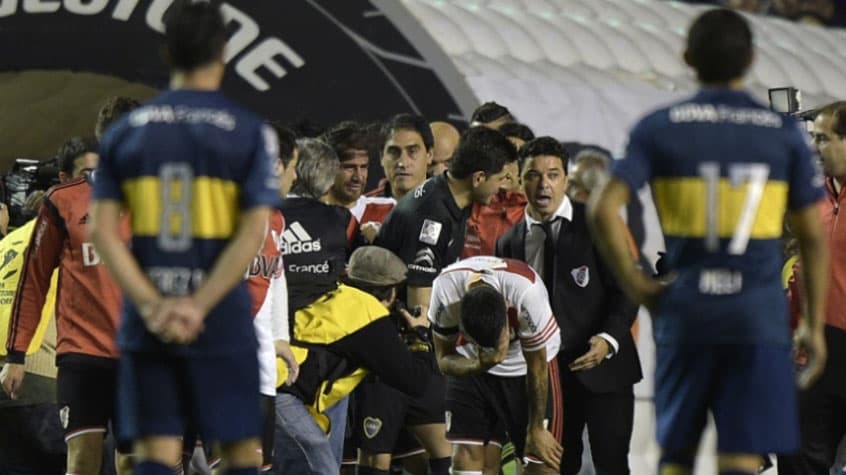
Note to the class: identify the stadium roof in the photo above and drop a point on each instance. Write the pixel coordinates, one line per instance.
(585, 70)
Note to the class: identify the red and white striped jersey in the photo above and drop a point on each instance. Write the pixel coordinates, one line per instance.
(268, 263)
(530, 319)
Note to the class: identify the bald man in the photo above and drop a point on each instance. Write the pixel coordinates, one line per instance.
(446, 139)
(588, 171)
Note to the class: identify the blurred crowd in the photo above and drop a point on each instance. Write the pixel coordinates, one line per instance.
(819, 12)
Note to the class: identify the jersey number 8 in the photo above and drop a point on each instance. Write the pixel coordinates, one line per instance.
(176, 190)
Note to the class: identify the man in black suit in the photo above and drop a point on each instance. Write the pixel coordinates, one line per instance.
(598, 357)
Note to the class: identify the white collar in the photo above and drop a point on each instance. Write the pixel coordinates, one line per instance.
(565, 210)
(358, 208)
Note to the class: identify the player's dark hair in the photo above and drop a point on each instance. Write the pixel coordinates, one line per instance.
(481, 149)
(483, 315)
(111, 111)
(415, 123)
(516, 129)
(348, 135)
(307, 128)
(544, 146)
(194, 34)
(489, 112)
(287, 142)
(719, 46)
(72, 149)
(837, 111)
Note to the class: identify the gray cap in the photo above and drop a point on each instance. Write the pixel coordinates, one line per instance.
(374, 265)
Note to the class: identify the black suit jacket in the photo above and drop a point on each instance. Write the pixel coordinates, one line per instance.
(586, 301)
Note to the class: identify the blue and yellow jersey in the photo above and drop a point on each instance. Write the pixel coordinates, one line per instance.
(724, 170)
(185, 165)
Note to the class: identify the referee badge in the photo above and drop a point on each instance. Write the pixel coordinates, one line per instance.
(64, 416)
(372, 426)
(581, 275)
(430, 232)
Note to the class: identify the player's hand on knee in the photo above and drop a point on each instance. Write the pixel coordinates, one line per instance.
(543, 445)
(11, 377)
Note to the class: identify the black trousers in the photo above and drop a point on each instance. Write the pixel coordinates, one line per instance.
(609, 418)
(822, 414)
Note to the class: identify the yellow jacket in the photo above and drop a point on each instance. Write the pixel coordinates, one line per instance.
(333, 316)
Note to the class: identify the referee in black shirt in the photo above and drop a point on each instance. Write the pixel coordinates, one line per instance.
(426, 230)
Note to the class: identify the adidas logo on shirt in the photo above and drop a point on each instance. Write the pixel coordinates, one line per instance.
(296, 240)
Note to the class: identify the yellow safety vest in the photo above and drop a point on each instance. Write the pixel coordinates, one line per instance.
(12, 250)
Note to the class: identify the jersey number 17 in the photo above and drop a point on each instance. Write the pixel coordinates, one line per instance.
(754, 176)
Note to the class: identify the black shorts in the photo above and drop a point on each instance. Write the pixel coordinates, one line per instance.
(406, 444)
(85, 394)
(383, 412)
(479, 406)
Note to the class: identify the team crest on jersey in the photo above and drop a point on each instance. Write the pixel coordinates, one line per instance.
(581, 275)
(430, 232)
(64, 416)
(372, 426)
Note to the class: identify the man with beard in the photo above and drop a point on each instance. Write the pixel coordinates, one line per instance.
(351, 142)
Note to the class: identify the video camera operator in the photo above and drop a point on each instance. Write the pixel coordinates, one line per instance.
(334, 349)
